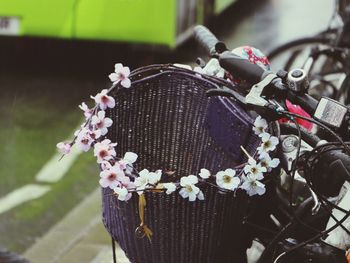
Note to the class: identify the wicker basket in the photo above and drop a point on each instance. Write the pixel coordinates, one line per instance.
(167, 119)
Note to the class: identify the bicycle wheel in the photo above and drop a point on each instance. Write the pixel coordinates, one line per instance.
(326, 71)
(295, 53)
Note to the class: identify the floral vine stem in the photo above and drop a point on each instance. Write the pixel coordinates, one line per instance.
(246, 152)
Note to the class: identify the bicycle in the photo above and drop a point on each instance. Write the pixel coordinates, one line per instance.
(267, 96)
(324, 56)
(164, 113)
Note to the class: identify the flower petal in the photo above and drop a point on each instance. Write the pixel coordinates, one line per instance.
(204, 173)
(126, 83)
(126, 71)
(130, 157)
(183, 192)
(113, 77)
(118, 67)
(200, 195)
(192, 179)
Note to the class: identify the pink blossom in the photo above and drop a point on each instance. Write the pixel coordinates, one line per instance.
(103, 100)
(113, 177)
(104, 151)
(121, 74)
(64, 147)
(94, 134)
(105, 165)
(129, 185)
(87, 111)
(84, 141)
(101, 123)
(85, 138)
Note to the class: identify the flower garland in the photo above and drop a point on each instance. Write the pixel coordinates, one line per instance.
(118, 173)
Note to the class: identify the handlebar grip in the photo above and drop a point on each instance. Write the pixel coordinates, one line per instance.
(339, 163)
(308, 103)
(241, 67)
(205, 39)
(331, 171)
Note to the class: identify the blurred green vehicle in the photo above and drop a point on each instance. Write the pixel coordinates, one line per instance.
(161, 22)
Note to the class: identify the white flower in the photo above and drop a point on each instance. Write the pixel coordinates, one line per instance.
(101, 123)
(87, 111)
(260, 126)
(227, 179)
(170, 187)
(105, 165)
(104, 151)
(252, 186)
(189, 190)
(205, 174)
(121, 74)
(128, 159)
(147, 178)
(122, 193)
(64, 147)
(266, 161)
(200, 195)
(103, 100)
(269, 143)
(255, 169)
(191, 179)
(113, 177)
(142, 180)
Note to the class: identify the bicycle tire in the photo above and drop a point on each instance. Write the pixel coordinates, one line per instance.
(297, 42)
(324, 37)
(294, 49)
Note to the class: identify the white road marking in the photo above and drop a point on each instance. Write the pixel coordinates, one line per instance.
(51, 172)
(105, 256)
(21, 195)
(54, 170)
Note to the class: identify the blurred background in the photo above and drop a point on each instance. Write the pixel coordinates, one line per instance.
(55, 54)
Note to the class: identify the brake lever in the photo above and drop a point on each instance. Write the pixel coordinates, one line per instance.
(226, 92)
(268, 110)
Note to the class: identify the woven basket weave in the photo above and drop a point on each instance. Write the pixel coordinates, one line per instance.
(166, 118)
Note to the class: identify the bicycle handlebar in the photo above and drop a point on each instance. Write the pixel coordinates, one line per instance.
(242, 68)
(252, 73)
(206, 39)
(307, 102)
(331, 171)
(229, 61)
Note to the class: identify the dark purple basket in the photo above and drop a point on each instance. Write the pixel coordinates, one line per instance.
(167, 119)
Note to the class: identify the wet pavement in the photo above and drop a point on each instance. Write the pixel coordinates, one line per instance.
(42, 81)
